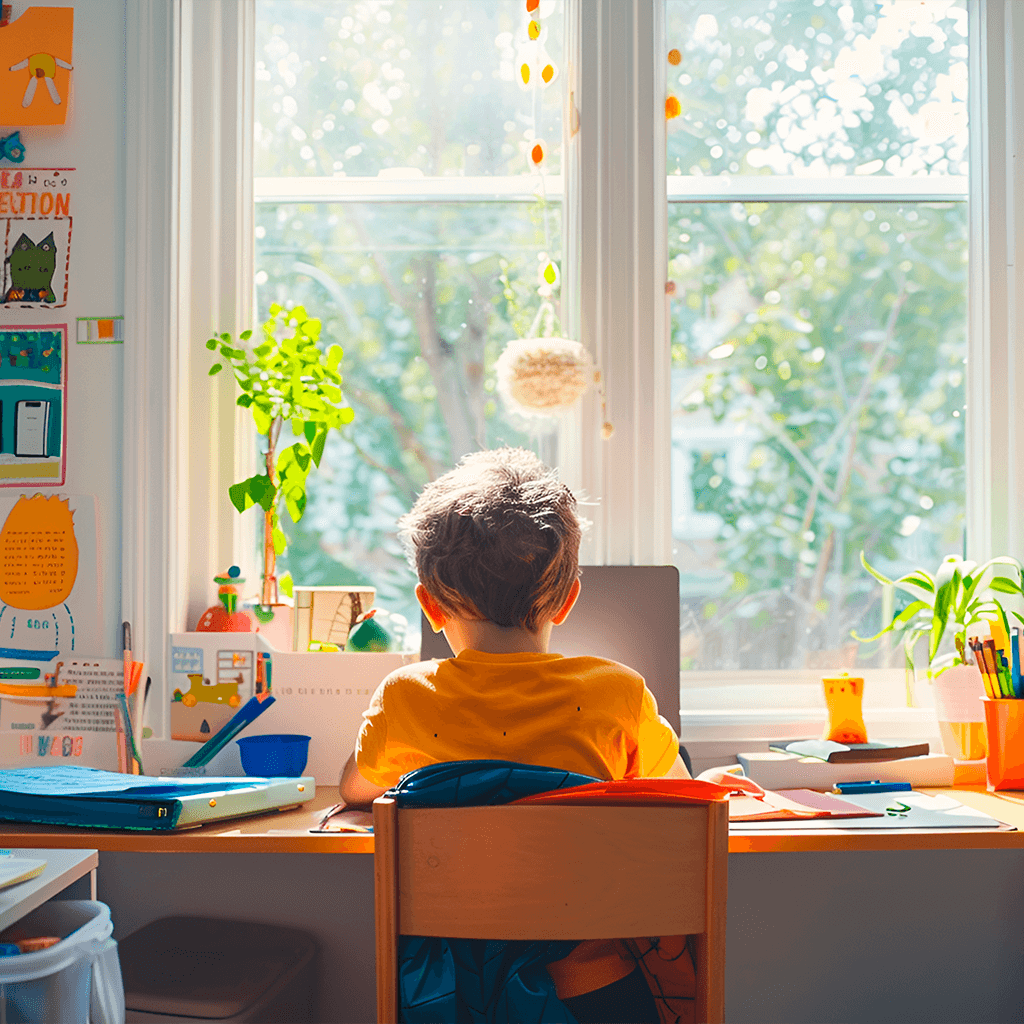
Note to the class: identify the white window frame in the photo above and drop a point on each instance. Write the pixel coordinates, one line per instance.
(189, 260)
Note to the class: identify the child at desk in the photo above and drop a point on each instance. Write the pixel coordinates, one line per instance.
(495, 544)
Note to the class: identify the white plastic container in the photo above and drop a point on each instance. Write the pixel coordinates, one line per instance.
(77, 981)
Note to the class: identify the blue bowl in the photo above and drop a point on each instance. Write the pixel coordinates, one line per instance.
(274, 755)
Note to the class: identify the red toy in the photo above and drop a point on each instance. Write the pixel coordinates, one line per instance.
(225, 617)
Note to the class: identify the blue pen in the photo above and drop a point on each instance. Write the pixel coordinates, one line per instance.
(1015, 653)
(875, 786)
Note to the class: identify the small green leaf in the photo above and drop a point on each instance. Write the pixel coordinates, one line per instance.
(240, 497)
(280, 541)
(225, 337)
(317, 447)
(1001, 585)
(347, 415)
(286, 585)
(211, 344)
(215, 369)
(878, 576)
(309, 431)
(244, 401)
(262, 420)
(245, 335)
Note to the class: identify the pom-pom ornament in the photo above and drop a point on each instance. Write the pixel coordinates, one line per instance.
(543, 376)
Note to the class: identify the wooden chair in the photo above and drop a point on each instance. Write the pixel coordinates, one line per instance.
(552, 872)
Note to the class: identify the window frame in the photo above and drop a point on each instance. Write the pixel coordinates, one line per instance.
(189, 260)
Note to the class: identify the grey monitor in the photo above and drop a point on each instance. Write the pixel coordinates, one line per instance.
(628, 613)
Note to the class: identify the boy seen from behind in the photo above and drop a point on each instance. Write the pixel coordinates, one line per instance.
(495, 543)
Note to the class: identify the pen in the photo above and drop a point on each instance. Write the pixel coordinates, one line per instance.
(874, 786)
(126, 653)
(1015, 650)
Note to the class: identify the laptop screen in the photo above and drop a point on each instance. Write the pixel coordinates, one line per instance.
(627, 613)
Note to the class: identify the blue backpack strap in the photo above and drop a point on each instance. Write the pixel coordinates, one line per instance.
(480, 783)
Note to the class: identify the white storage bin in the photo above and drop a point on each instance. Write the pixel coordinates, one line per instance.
(77, 981)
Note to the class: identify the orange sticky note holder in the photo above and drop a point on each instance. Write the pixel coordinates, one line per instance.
(843, 697)
(1004, 733)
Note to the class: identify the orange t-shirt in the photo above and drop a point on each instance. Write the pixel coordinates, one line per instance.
(584, 715)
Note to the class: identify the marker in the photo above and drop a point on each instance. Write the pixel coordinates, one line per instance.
(875, 786)
(1015, 652)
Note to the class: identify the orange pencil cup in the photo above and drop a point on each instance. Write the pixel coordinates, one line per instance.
(1004, 729)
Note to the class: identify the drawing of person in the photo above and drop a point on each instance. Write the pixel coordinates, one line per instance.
(44, 66)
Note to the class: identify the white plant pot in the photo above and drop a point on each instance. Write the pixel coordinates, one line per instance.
(961, 714)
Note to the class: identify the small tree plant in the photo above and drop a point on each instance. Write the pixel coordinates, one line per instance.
(287, 378)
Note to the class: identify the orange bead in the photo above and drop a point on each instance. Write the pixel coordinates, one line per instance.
(532, 5)
(537, 153)
(525, 72)
(533, 29)
(673, 108)
(548, 73)
(674, 56)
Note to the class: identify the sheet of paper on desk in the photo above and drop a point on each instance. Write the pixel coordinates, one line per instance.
(72, 780)
(897, 810)
(798, 804)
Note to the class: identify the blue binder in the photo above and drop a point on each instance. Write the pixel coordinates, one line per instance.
(69, 795)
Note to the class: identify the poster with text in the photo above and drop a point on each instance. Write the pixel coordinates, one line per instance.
(36, 221)
(33, 404)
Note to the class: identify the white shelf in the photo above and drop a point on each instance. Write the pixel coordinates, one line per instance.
(62, 868)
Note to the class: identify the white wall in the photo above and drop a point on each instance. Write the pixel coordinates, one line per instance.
(93, 142)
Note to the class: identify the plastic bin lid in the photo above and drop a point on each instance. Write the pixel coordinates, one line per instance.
(207, 967)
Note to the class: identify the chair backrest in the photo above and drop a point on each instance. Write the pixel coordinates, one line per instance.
(552, 872)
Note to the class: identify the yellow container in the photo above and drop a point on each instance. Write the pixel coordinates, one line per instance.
(1004, 731)
(963, 741)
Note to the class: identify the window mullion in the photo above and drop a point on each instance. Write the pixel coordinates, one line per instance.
(995, 426)
(620, 235)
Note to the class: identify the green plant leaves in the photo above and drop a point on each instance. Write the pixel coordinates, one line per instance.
(257, 490)
(285, 377)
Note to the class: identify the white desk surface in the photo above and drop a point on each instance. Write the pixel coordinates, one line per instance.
(62, 868)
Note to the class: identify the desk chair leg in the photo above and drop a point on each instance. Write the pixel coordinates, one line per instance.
(385, 910)
(710, 965)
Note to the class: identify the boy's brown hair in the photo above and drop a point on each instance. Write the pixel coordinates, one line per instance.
(496, 538)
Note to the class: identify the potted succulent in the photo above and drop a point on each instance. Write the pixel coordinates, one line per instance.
(286, 379)
(959, 596)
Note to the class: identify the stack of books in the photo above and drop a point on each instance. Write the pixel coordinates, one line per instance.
(820, 764)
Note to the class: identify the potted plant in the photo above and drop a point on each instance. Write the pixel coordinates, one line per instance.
(957, 597)
(289, 379)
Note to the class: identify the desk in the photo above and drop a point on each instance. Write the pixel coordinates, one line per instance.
(929, 924)
(288, 832)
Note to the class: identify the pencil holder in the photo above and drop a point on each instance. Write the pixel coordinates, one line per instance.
(1004, 732)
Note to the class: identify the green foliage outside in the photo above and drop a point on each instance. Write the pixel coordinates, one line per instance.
(425, 294)
(819, 346)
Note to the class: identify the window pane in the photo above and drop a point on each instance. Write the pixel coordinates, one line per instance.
(818, 395)
(817, 87)
(422, 297)
(364, 87)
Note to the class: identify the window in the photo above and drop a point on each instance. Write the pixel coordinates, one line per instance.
(408, 193)
(603, 204)
(818, 237)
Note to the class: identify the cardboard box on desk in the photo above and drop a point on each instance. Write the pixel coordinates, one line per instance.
(322, 696)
